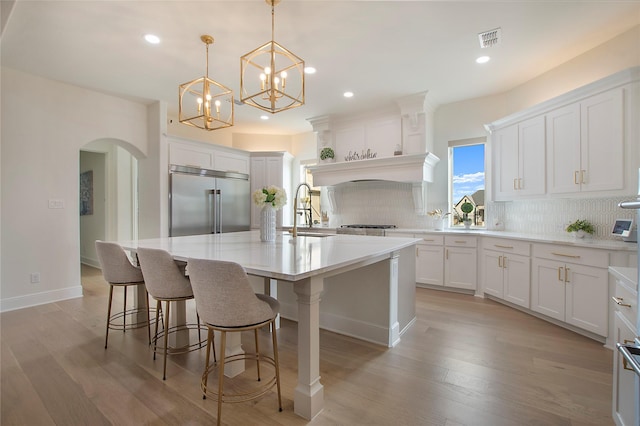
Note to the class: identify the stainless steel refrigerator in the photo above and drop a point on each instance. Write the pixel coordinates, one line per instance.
(205, 201)
(631, 352)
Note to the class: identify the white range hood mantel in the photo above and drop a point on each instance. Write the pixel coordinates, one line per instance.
(402, 168)
(416, 169)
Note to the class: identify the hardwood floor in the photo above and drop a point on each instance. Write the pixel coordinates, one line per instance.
(466, 361)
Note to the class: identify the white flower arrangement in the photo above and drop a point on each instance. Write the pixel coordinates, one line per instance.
(273, 195)
(438, 214)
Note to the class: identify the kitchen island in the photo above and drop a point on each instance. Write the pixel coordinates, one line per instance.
(370, 284)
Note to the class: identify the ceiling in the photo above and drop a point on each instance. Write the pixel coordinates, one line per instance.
(380, 50)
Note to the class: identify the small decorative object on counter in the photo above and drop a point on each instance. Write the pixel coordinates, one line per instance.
(580, 228)
(398, 150)
(327, 155)
(439, 217)
(466, 209)
(270, 199)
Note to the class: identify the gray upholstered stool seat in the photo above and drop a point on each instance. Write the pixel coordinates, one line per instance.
(227, 303)
(118, 271)
(166, 282)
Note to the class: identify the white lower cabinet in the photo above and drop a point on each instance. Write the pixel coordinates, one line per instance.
(460, 262)
(571, 285)
(506, 267)
(624, 410)
(430, 260)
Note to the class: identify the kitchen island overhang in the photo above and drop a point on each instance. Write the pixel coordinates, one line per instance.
(346, 263)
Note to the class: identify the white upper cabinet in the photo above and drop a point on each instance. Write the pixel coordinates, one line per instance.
(519, 160)
(207, 156)
(585, 145)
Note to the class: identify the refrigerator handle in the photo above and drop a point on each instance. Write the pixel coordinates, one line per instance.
(212, 207)
(219, 210)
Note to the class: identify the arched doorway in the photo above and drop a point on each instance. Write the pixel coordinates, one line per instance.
(108, 194)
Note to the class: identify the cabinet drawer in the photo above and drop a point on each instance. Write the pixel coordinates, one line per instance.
(570, 254)
(507, 246)
(432, 240)
(626, 296)
(460, 241)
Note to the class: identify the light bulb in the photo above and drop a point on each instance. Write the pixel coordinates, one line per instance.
(267, 70)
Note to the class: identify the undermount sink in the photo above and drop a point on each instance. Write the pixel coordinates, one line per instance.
(313, 234)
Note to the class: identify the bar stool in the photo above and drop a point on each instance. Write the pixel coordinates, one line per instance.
(227, 303)
(118, 271)
(166, 282)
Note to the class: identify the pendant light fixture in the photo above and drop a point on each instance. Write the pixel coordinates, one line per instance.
(272, 77)
(205, 103)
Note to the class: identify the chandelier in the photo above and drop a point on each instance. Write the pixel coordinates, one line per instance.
(205, 103)
(272, 77)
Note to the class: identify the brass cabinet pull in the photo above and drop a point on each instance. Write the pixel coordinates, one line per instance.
(501, 246)
(446, 254)
(424, 239)
(573, 256)
(566, 275)
(514, 183)
(504, 262)
(582, 172)
(460, 242)
(619, 302)
(499, 261)
(519, 183)
(559, 273)
(575, 177)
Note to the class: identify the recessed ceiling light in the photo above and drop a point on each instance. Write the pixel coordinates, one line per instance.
(483, 59)
(153, 39)
(264, 117)
(309, 70)
(348, 94)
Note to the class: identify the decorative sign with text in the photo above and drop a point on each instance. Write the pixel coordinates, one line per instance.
(364, 155)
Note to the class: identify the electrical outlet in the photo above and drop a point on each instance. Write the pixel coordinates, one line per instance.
(56, 204)
(35, 277)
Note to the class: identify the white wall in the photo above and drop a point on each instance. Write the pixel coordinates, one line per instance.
(44, 126)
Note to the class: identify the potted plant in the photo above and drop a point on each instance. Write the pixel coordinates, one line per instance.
(581, 228)
(466, 208)
(327, 155)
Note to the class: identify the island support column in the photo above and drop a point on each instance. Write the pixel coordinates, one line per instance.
(308, 400)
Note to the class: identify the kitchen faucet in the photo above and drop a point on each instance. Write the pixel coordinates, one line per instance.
(295, 207)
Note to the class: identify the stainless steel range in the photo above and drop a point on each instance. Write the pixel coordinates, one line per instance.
(360, 229)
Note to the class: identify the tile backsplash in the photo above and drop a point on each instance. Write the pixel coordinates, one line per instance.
(381, 202)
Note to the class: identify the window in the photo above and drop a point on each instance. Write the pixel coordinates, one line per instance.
(466, 181)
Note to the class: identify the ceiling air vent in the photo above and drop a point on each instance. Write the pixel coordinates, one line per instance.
(490, 38)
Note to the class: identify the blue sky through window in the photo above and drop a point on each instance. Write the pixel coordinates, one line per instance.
(468, 170)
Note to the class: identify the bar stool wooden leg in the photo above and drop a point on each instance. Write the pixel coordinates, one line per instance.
(106, 339)
(255, 333)
(223, 344)
(274, 338)
(166, 340)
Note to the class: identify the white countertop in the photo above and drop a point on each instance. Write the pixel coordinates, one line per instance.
(564, 238)
(282, 259)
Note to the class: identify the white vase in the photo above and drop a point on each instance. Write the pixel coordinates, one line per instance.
(268, 223)
(467, 224)
(579, 233)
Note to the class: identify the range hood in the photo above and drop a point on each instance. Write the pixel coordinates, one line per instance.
(411, 168)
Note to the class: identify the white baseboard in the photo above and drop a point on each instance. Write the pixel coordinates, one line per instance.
(20, 302)
(362, 330)
(91, 262)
